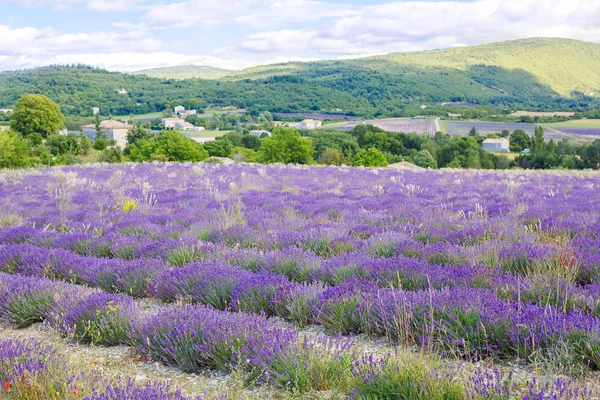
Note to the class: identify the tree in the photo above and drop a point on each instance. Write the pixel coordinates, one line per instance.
(331, 157)
(370, 157)
(424, 159)
(113, 155)
(505, 133)
(85, 145)
(176, 147)
(473, 132)
(286, 146)
(138, 132)
(101, 140)
(519, 140)
(251, 142)
(36, 113)
(218, 148)
(13, 150)
(537, 142)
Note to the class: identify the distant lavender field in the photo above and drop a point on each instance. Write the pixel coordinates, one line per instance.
(318, 116)
(397, 125)
(581, 131)
(463, 104)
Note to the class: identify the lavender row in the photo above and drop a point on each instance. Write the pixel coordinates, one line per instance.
(31, 370)
(276, 282)
(196, 337)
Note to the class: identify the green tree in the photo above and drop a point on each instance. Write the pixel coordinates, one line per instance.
(218, 148)
(36, 113)
(473, 132)
(505, 133)
(14, 151)
(286, 146)
(537, 142)
(101, 140)
(370, 157)
(176, 147)
(331, 157)
(138, 132)
(519, 140)
(251, 142)
(424, 159)
(112, 155)
(85, 145)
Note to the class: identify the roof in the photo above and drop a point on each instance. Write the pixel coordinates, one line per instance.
(496, 141)
(108, 124)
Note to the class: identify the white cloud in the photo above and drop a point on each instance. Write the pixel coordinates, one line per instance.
(255, 13)
(96, 5)
(418, 25)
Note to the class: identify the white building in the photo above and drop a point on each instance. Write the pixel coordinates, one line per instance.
(6, 110)
(496, 145)
(309, 124)
(423, 106)
(178, 109)
(259, 133)
(95, 111)
(180, 124)
(187, 113)
(122, 91)
(114, 130)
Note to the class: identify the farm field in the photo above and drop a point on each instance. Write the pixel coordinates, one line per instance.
(206, 133)
(302, 281)
(572, 130)
(318, 115)
(404, 125)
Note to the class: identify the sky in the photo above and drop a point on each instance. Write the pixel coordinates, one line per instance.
(128, 35)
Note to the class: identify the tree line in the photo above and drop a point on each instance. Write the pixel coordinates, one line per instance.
(33, 140)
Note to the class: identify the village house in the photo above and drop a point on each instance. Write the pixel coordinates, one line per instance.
(178, 109)
(496, 145)
(182, 112)
(180, 124)
(309, 124)
(259, 133)
(114, 130)
(95, 111)
(122, 91)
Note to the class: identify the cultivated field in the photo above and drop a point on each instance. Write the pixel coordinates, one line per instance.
(421, 126)
(251, 281)
(532, 114)
(318, 115)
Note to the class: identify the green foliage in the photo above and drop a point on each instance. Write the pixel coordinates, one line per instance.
(64, 144)
(370, 157)
(36, 113)
(14, 150)
(331, 157)
(251, 142)
(424, 159)
(176, 147)
(218, 148)
(519, 141)
(242, 154)
(112, 155)
(286, 146)
(138, 132)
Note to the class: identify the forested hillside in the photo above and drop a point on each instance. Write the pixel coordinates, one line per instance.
(184, 72)
(553, 74)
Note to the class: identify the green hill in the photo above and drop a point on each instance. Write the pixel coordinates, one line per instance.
(524, 74)
(184, 72)
(560, 65)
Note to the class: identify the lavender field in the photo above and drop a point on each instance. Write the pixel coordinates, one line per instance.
(320, 282)
(404, 125)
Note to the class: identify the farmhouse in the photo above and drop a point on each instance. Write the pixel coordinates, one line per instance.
(259, 133)
(496, 145)
(309, 124)
(95, 111)
(122, 91)
(180, 124)
(114, 130)
(182, 112)
(178, 109)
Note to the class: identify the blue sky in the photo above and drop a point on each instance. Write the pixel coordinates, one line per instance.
(128, 35)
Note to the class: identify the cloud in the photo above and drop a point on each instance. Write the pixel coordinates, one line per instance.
(418, 25)
(95, 5)
(255, 13)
